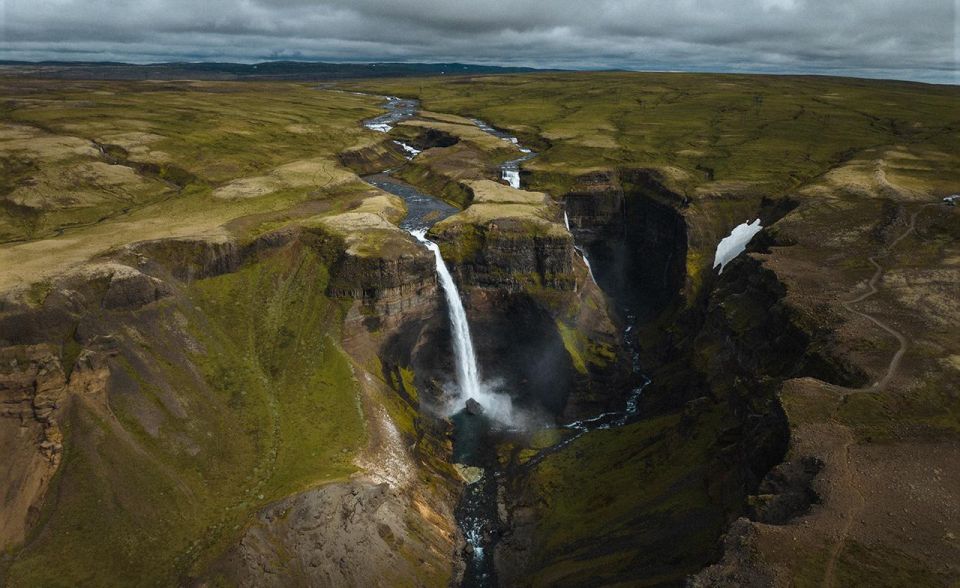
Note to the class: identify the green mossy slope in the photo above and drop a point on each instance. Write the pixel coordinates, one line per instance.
(234, 394)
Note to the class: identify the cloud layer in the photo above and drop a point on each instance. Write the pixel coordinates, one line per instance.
(890, 38)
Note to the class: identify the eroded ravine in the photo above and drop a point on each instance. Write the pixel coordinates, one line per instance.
(480, 429)
(478, 504)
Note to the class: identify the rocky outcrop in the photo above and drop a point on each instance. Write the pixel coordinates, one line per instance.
(133, 290)
(507, 241)
(595, 206)
(349, 534)
(34, 391)
(739, 567)
(373, 158)
(32, 388)
(388, 290)
(786, 491)
(508, 256)
(187, 259)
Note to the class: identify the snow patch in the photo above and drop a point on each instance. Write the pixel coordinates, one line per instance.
(735, 243)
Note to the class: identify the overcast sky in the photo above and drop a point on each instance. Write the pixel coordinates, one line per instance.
(907, 39)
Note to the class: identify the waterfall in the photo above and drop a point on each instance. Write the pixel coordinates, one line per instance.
(586, 262)
(583, 255)
(468, 376)
(511, 176)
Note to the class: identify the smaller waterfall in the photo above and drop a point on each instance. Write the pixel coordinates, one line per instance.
(468, 376)
(586, 262)
(409, 149)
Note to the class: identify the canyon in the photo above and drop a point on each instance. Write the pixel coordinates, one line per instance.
(240, 350)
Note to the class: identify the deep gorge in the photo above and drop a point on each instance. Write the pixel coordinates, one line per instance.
(636, 238)
(707, 431)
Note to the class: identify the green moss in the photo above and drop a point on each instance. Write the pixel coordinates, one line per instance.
(584, 351)
(708, 129)
(595, 488)
(465, 245)
(407, 377)
(265, 406)
(695, 268)
(572, 342)
(38, 292)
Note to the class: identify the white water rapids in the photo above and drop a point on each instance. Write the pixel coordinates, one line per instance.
(409, 149)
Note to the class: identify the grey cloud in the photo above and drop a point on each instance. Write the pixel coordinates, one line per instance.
(891, 38)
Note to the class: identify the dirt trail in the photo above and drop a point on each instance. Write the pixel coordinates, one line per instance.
(846, 475)
(847, 480)
(894, 364)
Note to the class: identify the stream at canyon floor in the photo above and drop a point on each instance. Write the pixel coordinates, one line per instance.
(480, 428)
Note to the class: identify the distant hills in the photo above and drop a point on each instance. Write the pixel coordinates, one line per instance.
(269, 70)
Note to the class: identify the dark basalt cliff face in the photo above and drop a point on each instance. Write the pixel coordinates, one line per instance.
(390, 290)
(635, 235)
(507, 256)
(716, 356)
(537, 319)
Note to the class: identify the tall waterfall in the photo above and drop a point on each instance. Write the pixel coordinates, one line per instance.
(468, 376)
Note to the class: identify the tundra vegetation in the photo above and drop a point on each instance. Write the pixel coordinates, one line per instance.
(263, 360)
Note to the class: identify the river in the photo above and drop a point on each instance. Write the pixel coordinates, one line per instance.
(476, 436)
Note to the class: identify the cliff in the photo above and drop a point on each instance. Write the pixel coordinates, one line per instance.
(180, 386)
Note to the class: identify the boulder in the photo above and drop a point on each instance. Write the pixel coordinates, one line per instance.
(474, 407)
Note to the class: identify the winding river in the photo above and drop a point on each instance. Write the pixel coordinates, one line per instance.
(476, 436)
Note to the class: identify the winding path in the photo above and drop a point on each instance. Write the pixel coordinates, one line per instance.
(829, 576)
(894, 364)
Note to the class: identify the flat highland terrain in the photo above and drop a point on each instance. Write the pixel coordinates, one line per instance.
(234, 389)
